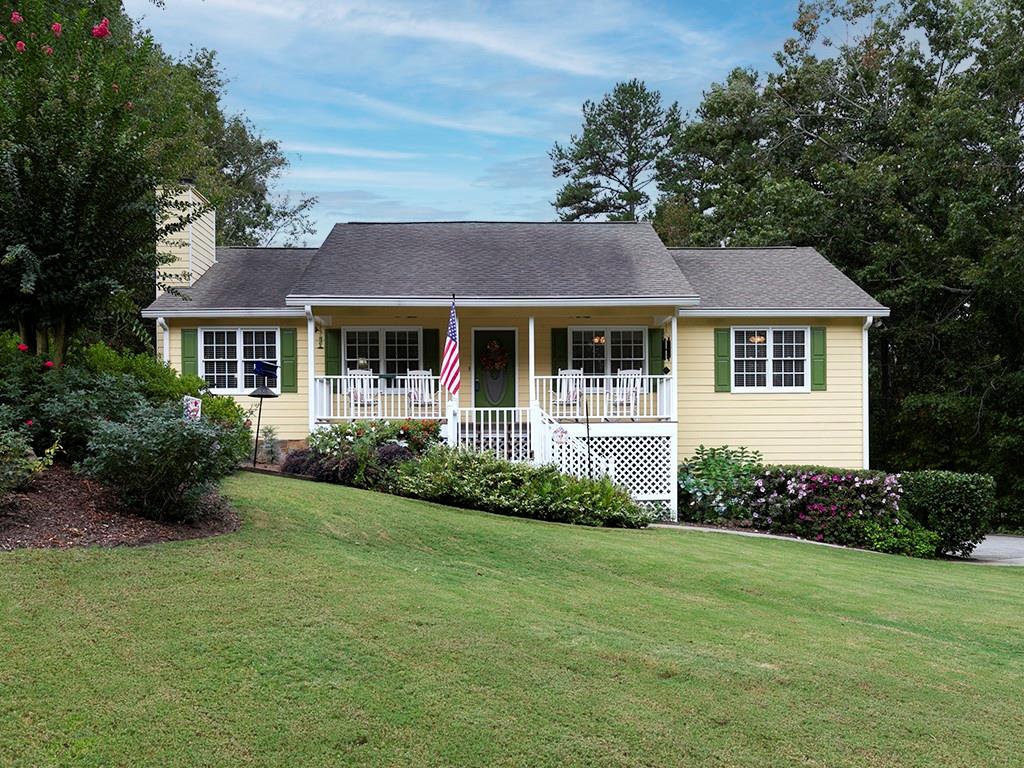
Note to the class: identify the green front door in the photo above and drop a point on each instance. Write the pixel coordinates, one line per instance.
(494, 365)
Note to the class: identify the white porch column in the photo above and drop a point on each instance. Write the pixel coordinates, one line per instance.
(674, 353)
(311, 366)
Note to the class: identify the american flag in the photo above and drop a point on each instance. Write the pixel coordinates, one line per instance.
(450, 373)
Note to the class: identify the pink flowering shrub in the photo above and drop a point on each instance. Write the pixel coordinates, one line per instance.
(853, 508)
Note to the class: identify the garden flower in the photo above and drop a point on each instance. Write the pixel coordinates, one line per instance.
(48, 50)
(2, 38)
(16, 18)
(56, 28)
(48, 364)
(23, 347)
(20, 46)
(102, 29)
(28, 422)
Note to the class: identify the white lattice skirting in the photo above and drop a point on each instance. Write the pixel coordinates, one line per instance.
(643, 457)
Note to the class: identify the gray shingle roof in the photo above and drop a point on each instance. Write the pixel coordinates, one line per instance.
(241, 278)
(786, 278)
(493, 260)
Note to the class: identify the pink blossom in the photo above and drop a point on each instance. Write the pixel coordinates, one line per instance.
(23, 347)
(48, 50)
(102, 29)
(20, 46)
(28, 422)
(2, 38)
(56, 28)
(16, 18)
(48, 364)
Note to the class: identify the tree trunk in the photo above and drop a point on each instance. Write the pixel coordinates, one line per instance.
(27, 331)
(42, 341)
(59, 349)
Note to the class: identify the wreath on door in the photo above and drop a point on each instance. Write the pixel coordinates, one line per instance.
(495, 357)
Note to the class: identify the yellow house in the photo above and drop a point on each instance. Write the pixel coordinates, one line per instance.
(586, 344)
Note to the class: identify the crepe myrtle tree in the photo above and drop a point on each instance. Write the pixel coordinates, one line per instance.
(80, 170)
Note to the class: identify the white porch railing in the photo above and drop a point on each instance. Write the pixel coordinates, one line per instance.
(572, 396)
(363, 396)
(504, 432)
(554, 445)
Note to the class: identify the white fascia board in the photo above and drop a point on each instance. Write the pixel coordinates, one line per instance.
(568, 301)
(171, 314)
(768, 312)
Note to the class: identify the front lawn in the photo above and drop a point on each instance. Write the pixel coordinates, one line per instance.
(345, 627)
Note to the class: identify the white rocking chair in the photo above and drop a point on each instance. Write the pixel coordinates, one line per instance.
(627, 386)
(568, 393)
(363, 391)
(420, 391)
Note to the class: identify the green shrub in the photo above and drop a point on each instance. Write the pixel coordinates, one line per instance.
(482, 481)
(957, 506)
(716, 484)
(340, 439)
(17, 462)
(157, 381)
(73, 402)
(161, 464)
(909, 538)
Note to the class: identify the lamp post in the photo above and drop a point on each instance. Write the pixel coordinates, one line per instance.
(261, 393)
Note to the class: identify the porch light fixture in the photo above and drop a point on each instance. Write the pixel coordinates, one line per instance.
(757, 338)
(598, 339)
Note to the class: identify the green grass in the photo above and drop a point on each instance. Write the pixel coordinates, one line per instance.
(344, 627)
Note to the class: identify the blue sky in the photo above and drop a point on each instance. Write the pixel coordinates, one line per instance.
(426, 111)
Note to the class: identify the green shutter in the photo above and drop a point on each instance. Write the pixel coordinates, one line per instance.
(655, 351)
(332, 352)
(289, 373)
(559, 350)
(189, 352)
(432, 350)
(819, 365)
(723, 360)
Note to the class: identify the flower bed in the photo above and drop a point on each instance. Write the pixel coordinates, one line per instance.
(856, 508)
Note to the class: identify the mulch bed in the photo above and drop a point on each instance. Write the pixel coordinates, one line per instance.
(60, 509)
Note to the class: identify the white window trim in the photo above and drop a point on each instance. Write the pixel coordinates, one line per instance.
(770, 388)
(240, 390)
(381, 330)
(608, 345)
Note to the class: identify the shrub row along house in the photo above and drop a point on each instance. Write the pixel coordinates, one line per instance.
(591, 345)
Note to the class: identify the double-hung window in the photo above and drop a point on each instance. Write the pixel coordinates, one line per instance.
(606, 351)
(228, 357)
(387, 351)
(768, 359)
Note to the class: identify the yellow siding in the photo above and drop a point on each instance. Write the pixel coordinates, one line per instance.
(289, 413)
(545, 318)
(799, 428)
(193, 249)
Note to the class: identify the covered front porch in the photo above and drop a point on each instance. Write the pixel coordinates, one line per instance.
(588, 388)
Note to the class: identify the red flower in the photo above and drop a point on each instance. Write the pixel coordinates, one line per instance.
(56, 28)
(48, 50)
(20, 46)
(2, 38)
(16, 18)
(102, 29)
(23, 347)
(28, 422)
(129, 106)
(48, 364)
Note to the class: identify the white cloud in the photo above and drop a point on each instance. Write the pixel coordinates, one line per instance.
(341, 151)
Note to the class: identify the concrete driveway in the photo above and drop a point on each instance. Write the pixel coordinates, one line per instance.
(1000, 550)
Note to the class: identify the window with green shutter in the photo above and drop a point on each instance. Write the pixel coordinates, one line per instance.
(723, 360)
(332, 352)
(189, 351)
(288, 375)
